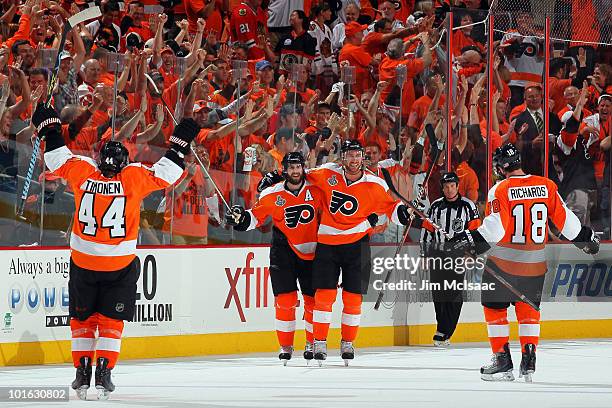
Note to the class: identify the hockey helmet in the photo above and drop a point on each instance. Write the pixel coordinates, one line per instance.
(506, 158)
(450, 177)
(351, 145)
(292, 158)
(113, 158)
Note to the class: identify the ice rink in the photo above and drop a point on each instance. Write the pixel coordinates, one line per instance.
(569, 374)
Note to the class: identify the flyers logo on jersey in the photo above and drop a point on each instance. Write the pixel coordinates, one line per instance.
(299, 214)
(345, 203)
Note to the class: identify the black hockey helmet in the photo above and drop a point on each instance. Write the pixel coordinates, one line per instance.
(450, 177)
(351, 145)
(506, 158)
(292, 158)
(113, 158)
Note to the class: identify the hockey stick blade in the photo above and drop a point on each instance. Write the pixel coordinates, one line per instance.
(87, 14)
(487, 269)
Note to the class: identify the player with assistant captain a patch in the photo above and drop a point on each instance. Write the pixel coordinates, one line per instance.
(352, 196)
(293, 207)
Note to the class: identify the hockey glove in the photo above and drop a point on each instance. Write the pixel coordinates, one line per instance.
(238, 218)
(405, 214)
(468, 241)
(373, 219)
(269, 180)
(183, 135)
(587, 240)
(48, 125)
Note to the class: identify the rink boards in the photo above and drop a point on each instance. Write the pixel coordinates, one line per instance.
(218, 300)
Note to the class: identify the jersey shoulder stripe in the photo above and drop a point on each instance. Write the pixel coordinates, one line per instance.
(280, 186)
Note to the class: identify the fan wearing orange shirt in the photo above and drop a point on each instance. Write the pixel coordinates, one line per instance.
(103, 266)
(354, 53)
(517, 224)
(393, 58)
(293, 206)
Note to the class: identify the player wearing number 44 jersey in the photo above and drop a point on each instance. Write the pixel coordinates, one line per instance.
(518, 210)
(293, 206)
(103, 269)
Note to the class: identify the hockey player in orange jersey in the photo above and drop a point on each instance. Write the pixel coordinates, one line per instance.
(293, 206)
(518, 209)
(103, 265)
(352, 196)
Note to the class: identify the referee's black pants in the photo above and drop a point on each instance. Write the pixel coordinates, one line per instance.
(447, 301)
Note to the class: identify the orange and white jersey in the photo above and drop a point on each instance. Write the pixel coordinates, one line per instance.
(295, 215)
(347, 206)
(518, 209)
(107, 215)
(527, 62)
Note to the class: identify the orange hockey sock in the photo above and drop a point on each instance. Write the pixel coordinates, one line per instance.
(109, 340)
(285, 305)
(498, 328)
(309, 302)
(321, 316)
(83, 338)
(351, 315)
(529, 324)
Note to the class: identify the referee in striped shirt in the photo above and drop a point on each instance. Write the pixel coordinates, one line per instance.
(454, 214)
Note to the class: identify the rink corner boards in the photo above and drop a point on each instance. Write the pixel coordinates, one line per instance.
(53, 352)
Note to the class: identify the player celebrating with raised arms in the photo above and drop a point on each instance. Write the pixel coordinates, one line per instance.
(293, 206)
(518, 209)
(103, 264)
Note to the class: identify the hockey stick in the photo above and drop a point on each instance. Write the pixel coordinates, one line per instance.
(431, 133)
(191, 147)
(438, 228)
(87, 14)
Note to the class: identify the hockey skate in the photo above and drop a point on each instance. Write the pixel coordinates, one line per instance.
(440, 340)
(308, 352)
(528, 363)
(500, 368)
(320, 351)
(83, 378)
(347, 351)
(285, 354)
(104, 385)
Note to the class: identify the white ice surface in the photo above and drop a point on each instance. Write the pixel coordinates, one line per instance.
(569, 374)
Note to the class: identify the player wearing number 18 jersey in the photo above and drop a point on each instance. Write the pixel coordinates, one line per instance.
(518, 210)
(103, 267)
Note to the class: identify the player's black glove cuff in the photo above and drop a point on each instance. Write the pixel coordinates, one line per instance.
(269, 180)
(468, 241)
(183, 135)
(238, 218)
(48, 126)
(403, 214)
(373, 219)
(587, 240)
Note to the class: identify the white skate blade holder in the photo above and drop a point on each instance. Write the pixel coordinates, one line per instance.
(528, 376)
(103, 393)
(82, 392)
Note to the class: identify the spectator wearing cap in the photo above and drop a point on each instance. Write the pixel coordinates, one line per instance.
(167, 67)
(298, 47)
(354, 54)
(265, 76)
(393, 58)
(110, 13)
(67, 77)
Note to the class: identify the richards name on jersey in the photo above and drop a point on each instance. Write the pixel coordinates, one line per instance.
(527, 192)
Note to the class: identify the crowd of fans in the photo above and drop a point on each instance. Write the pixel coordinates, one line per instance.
(375, 71)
